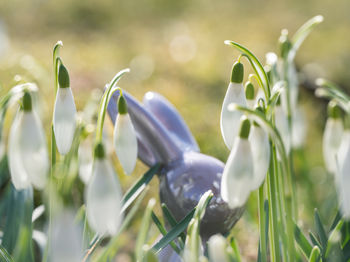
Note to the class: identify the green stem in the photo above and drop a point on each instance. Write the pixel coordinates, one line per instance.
(273, 218)
(262, 224)
(104, 103)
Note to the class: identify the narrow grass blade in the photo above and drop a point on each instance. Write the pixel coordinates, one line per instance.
(174, 232)
(139, 186)
(4, 255)
(172, 221)
(302, 241)
(321, 233)
(299, 37)
(142, 236)
(163, 231)
(315, 255)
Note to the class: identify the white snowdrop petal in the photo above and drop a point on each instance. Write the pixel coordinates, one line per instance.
(332, 137)
(64, 120)
(34, 151)
(19, 175)
(217, 248)
(66, 239)
(343, 148)
(229, 121)
(29, 162)
(125, 142)
(260, 146)
(103, 199)
(343, 185)
(238, 174)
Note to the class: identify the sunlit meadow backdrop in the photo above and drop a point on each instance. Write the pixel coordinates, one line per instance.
(176, 48)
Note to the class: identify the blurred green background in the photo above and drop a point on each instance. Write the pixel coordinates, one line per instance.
(176, 48)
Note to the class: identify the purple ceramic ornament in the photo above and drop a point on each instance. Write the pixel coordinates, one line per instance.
(186, 174)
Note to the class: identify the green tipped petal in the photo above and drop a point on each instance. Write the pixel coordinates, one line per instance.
(245, 128)
(334, 111)
(249, 91)
(122, 105)
(27, 101)
(63, 77)
(99, 151)
(237, 73)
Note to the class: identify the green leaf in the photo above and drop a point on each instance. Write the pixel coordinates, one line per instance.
(174, 232)
(142, 236)
(163, 231)
(138, 187)
(302, 241)
(172, 221)
(315, 255)
(330, 90)
(17, 238)
(299, 37)
(321, 233)
(334, 251)
(336, 220)
(4, 255)
(257, 66)
(314, 240)
(235, 249)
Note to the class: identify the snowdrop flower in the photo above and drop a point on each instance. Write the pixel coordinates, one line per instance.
(217, 248)
(66, 239)
(249, 94)
(238, 172)
(343, 185)
(235, 94)
(332, 137)
(28, 157)
(64, 113)
(125, 141)
(343, 148)
(103, 196)
(260, 146)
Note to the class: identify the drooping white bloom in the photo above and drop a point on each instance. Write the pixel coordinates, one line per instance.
(64, 119)
(260, 146)
(238, 172)
(332, 138)
(28, 157)
(66, 241)
(343, 185)
(229, 120)
(217, 248)
(125, 141)
(103, 198)
(343, 148)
